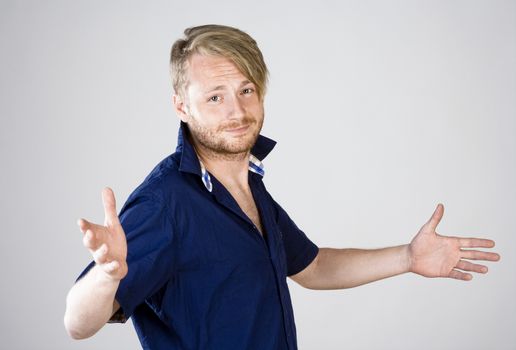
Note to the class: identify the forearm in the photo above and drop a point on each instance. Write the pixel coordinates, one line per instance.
(90, 304)
(347, 268)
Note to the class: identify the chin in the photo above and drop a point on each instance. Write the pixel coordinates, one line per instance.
(238, 146)
(222, 143)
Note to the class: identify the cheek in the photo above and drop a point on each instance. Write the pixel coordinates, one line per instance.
(254, 107)
(208, 116)
(256, 111)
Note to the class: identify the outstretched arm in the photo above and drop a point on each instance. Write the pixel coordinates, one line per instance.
(429, 254)
(91, 301)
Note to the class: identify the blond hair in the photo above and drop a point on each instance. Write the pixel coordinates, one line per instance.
(218, 40)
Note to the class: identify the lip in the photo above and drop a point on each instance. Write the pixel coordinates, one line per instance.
(239, 130)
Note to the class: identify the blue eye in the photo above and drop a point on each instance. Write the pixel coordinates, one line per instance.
(214, 99)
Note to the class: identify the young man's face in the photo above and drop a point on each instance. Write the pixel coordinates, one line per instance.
(222, 108)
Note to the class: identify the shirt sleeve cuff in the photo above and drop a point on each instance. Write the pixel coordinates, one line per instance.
(304, 259)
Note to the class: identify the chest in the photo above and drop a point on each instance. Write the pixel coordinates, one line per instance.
(246, 202)
(225, 226)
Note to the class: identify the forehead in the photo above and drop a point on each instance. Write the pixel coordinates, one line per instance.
(204, 69)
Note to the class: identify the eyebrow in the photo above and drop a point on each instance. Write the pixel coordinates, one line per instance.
(223, 87)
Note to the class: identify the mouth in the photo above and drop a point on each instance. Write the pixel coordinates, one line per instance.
(239, 130)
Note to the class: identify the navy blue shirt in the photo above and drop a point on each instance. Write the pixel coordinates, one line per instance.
(201, 276)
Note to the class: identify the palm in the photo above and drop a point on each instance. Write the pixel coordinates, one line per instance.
(433, 255)
(114, 237)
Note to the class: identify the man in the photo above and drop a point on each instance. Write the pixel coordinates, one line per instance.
(200, 252)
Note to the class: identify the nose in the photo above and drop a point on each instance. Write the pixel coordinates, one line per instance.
(238, 108)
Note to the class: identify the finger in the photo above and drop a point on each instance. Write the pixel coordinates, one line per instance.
(100, 255)
(458, 275)
(476, 243)
(108, 199)
(83, 225)
(436, 217)
(111, 266)
(91, 240)
(479, 255)
(468, 266)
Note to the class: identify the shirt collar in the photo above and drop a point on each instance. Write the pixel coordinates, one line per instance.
(191, 163)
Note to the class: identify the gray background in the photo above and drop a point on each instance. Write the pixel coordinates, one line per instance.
(381, 110)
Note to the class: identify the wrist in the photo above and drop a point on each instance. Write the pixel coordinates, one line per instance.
(104, 278)
(406, 258)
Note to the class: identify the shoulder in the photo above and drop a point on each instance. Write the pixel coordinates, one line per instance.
(165, 183)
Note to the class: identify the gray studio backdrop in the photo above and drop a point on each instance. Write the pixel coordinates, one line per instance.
(381, 110)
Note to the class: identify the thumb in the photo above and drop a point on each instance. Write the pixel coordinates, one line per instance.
(108, 200)
(436, 217)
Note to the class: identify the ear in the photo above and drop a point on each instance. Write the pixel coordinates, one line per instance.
(180, 107)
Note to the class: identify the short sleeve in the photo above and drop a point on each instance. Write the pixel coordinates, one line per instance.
(150, 259)
(300, 251)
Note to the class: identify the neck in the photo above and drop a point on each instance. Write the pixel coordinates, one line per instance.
(230, 169)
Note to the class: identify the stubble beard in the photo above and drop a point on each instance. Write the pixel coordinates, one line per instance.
(216, 144)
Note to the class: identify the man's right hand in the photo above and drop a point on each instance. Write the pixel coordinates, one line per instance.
(107, 242)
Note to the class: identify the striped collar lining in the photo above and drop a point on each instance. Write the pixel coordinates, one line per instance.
(255, 165)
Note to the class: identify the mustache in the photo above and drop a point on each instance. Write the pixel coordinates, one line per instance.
(237, 124)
